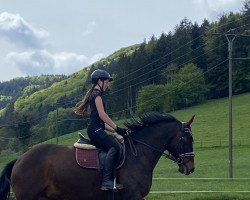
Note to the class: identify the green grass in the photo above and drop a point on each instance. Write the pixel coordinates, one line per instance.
(211, 121)
(5, 159)
(199, 196)
(209, 163)
(210, 130)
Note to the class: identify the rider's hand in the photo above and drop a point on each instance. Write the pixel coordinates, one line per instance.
(119, 137)
(121, 131)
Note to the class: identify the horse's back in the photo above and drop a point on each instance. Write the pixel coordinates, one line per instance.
(42, 154)
(33, 170)
(51, 171)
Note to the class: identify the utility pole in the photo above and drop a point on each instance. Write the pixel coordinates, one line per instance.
(231, 35)
(230, 39)
(130, 100)
(57, 125)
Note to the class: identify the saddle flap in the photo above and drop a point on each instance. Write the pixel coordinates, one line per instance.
(94, 158)
(87, 158)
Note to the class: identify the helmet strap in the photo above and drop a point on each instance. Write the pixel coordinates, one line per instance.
(101, 87)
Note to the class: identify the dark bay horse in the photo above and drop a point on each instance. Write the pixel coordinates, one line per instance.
(50, 172)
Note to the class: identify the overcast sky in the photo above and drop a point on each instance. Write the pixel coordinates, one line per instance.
(62, 37)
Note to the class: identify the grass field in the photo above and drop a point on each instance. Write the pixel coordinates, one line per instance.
(210, 130)
(209, 163)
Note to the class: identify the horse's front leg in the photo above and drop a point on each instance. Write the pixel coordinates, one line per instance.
(133, 196)
(137, 198)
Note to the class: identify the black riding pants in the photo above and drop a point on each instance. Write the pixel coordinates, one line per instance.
(102, 140)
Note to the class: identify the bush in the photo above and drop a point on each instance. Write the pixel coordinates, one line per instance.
(150, 99)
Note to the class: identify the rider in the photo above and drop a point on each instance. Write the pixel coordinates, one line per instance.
(99, 122)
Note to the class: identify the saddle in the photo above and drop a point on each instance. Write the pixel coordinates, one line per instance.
(91, 157)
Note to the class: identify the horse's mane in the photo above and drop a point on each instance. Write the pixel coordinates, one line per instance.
(148, 119)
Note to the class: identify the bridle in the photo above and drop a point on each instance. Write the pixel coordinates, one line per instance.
(180, 158)
(177, 159)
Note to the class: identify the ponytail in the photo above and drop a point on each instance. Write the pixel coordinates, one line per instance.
(82, 107)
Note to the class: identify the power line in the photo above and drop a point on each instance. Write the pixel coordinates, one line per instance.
(144, 66)
(160, 95)
(164, 65)
(182, 84)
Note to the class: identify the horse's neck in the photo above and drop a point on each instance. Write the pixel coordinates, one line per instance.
(146, 156)
(149, 158)
(153, 138)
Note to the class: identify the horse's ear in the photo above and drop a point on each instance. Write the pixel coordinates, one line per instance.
(190, 121)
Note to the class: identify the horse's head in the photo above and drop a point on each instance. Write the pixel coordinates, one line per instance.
(164, 132)
(181, 148)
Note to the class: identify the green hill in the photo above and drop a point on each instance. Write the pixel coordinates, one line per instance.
(24, 86)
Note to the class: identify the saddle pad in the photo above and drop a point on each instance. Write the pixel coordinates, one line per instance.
(87, 158)
(84, 146)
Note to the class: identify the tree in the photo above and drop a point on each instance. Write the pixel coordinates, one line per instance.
(198, 45)
(182, 42)
(188, 87)
(150, 98)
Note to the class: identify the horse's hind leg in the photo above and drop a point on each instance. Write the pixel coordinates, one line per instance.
(29, 195)
(27, 188)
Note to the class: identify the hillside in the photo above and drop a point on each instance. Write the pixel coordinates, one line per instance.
(11, 90)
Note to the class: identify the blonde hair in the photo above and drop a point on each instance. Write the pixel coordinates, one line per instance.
(82, 107)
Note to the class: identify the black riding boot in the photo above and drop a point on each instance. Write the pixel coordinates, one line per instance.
(108, 171)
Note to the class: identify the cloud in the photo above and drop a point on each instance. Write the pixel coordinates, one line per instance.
(21, 33)
(90, 28)
(43, 62)
(212, 8)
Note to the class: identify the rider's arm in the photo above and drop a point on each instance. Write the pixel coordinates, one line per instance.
(102, 114)
(109, 128)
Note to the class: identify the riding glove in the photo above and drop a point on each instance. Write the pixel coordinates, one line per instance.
(121, 131)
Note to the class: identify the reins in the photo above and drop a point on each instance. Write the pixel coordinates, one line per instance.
(178, 160)
(131, 141)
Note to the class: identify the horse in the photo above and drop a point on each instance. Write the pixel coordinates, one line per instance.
(50, 171)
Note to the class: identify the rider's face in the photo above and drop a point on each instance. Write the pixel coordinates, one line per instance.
(104, 84)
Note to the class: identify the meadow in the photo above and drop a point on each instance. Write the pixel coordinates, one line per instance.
(210, 179)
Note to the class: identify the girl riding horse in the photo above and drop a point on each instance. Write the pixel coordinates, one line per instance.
(99, 122)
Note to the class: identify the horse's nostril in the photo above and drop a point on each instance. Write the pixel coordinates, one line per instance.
(192, 170)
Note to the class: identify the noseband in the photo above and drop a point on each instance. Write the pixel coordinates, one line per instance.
(178, 159)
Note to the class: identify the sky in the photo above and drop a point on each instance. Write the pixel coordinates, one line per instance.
(63, 37)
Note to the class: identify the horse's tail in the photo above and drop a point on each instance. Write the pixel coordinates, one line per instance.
(5, 180)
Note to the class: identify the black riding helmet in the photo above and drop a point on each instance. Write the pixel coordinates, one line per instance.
(100, 74)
